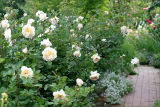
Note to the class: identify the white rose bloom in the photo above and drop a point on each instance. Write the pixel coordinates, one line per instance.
(39, 12)
(77, 53)
(80, 26)
(7, 34)
(25, 50)
(103, 40)
(54, 20)
(28, 31)
(49, 54)
(79, 82)
(26, 72)
(124, 29)
(95, 58)
(94, 75)
(46, 43)
(5, 24)
(43, 16)
(30, 21)
(59, 94)
(135, 61)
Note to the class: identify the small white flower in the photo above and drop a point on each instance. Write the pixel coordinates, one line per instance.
(135, 61)
(47, 30)
(79, 82)
(103, 40)
(52, 27)
(49, 54)
(25, 50)
(75, 47)
(106, 12)
(4, 95)
(95, 58)
(6, 15)
(54, 20)
(25, 14)
(5, 24)
(77, 53)
(30, 21)
(72, 30)
(7, 34)
(40, 35)
(28, 31)
(26, 72)
(81, 18)
(124, 29)
(94, 75)
(87, 37)
(46, 43)
(59, 94)
(80, 26)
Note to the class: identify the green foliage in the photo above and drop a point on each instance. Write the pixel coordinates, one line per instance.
(157, 103)
(154, 5)
(15, 4)
(61, 73)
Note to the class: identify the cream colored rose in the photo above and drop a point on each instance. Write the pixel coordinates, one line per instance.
(28, 31)
(46, 43)
(79, 82)
(49, 54)
(95, 58)
(59, 94)
(80, 26)
(94, 75)
(77, 53)
(26, 72)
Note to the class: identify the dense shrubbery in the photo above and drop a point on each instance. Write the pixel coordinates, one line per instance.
(43, 55)
(56, 58)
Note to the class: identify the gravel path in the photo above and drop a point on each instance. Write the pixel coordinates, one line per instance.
(146, 88)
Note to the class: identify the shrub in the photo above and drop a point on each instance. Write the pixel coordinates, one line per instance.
(40, 56)
(115, 86)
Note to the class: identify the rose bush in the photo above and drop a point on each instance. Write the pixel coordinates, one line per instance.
(43, 58)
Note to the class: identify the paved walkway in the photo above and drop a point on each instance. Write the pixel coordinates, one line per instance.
(146, 88)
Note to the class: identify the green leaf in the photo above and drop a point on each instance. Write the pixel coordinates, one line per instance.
(2, 60)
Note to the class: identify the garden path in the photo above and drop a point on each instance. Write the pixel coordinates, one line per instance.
(146, 88)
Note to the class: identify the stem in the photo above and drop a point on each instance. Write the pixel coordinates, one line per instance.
(2, 102)
(18, 86)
